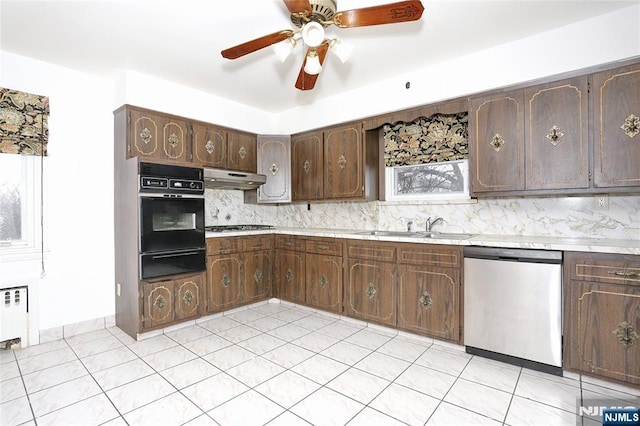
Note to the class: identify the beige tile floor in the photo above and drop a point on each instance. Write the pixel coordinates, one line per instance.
(279, 364)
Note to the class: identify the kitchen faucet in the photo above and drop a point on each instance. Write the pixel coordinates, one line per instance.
(430, 224)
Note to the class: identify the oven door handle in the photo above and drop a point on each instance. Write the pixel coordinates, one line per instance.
(164, 256)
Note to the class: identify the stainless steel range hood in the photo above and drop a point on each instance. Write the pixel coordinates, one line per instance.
(228, 179)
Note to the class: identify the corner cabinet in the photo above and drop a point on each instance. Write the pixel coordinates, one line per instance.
(533, 139)
(602, 315)
(616, 127)
(274, 161)
(334, 164)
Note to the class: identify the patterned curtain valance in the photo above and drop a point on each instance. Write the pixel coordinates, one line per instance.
(24, 123)
(441, 137)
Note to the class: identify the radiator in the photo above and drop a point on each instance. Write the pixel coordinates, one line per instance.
(14, 326)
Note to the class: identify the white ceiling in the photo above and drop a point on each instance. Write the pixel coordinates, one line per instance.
(180, 41)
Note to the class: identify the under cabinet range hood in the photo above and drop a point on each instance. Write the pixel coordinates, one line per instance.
(228, 179)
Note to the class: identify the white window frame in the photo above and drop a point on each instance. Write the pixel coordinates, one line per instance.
(392, 194)
(29, 247)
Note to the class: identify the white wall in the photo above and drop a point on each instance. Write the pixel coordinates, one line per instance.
(78, 192)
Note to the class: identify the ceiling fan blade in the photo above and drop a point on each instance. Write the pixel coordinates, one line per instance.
(308, 81)
(257, 44)
(404, 11)
(298, 6)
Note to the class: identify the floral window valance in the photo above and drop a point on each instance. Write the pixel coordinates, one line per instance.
(24, 127)
(441, 137)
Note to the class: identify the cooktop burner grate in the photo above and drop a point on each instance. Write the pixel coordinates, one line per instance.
(222, 228)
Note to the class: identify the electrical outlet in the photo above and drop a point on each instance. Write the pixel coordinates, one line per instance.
(601, 202)
(118, 289)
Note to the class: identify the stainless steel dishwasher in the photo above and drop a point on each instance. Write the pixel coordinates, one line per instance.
(513, 306)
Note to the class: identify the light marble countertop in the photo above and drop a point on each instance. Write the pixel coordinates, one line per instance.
(486, 240)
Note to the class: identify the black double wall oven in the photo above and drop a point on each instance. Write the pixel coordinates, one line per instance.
(171, 214)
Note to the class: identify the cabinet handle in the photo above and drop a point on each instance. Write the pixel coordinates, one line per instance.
(626, 334)
(288, 244)
(257, 245)
(323, 281)
(631, 125)
(223, 248)
(226, 281)
(274, 169)
(306, 166)
(626, 274)
(425, 300)
(342, 162)
(188, 297)
(160, 303)
(371, 291)
(257, 276)
(497, 142)
(323, 247)
(242, 152)
(554, 135)
(288, 275)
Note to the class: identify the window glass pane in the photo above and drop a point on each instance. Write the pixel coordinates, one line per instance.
(12, 197)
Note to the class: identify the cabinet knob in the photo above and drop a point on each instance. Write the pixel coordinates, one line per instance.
(625, 274)
(626, 334)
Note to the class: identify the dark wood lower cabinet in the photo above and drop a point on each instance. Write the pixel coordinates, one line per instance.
(371, 293)
(258, 276)
(169, 300)
(225, 276)
(324, 282)
(290, 268)
(602, 315)
(428, 301)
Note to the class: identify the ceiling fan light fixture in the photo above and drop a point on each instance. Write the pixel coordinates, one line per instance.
(312, 65)
(283, 49)
(313, 34)
(341, 49)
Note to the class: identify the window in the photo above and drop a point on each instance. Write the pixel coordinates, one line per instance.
(19, 203)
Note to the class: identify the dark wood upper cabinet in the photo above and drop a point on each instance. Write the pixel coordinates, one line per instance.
(496, 142)
(344, 162)
(307, 166)
(242, 151)
(616, 127)
(156, 136)
(556, 139)
(209, 145)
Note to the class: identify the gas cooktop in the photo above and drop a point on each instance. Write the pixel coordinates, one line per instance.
(222, 228)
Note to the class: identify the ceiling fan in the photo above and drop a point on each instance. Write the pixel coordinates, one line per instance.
(311, 17)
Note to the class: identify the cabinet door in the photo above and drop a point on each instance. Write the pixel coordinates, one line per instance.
(556, 122)
(157, 303)
(307, 167)
(189, 299)
(616, 127)
(225, 278)
(258, 277)
(428, 301)
(290, 275)
(371, 291)
(605, 322)
(158, 137)
(496, 142)
(209, 146)
(274, 161)
(324, 282)
(242, 152)
(344, 162)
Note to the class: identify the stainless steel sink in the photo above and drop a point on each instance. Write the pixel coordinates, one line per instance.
(446, 235)
(391, 234)
(432, 235)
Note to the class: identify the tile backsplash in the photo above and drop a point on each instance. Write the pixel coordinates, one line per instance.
(572, 217)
